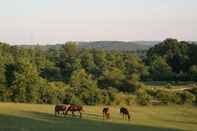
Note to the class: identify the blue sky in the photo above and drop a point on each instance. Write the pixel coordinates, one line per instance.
(63, 20)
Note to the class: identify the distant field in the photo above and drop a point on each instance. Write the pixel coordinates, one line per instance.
(30, 117)
(174, 86)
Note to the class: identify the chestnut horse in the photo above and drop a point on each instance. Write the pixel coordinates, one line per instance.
(106, 113)
(75, 108)
(59, 109)
(124, 111)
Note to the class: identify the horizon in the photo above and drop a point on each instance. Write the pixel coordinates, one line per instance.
(59, 21)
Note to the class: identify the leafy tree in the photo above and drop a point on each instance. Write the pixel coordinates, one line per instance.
(69, 62)
(160, 69)
(133, 64)
(174, 52)
(25, 86)
(112, 77)
(87, 60)
(84, 86)
(100, 61)
(193, 72)
(2, 82)
(55, 93)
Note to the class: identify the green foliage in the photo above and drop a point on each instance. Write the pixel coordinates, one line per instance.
(172, 57)
(188, 97)
(193, 72)
(2, 82)
(75, 100)
(90, 76)
(143, 98)
(160, 70)
(164, 96)
(176, 98)
(84, 86)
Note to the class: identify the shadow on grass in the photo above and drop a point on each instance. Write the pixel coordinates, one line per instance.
(36, 121)
(181, 122)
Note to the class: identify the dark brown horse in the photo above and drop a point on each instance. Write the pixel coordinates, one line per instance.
(124, 111)
(75, 108)
(60, 109)
(106, 113)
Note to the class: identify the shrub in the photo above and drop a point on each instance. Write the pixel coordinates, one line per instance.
(75, 100)
(104, 97)
(176, 98)
(119, 99)
(188, 97)
(168, 86)
(164, 96)
(112, 93)
(143, 98)
(129, 99)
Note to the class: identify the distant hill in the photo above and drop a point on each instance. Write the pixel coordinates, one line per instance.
(117, 45)
(106, 45)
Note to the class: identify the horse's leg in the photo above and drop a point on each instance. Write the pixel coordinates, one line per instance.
(108, 115)
(80, 114)
(104, 116)
(73, 114)
(55, 113)
(66, 113)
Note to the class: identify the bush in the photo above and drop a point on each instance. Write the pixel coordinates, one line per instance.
(104, 97)
(176, 98)
(188, 97)
(143, 98)
(129, 99)
(168, 86)
(75, 100)
(89, 97)
(119, 99)
(112, 92)
(164, 96)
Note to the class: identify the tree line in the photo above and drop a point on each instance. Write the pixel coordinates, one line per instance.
(94, 76)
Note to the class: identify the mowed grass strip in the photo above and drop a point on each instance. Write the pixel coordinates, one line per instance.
(35, 117)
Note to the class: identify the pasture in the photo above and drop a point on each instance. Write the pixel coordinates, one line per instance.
(34, 117)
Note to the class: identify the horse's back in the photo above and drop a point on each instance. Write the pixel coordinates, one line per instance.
(60, 107)
(124, 110)
(75, 108)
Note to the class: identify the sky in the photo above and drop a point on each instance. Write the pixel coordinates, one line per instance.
(49, 21)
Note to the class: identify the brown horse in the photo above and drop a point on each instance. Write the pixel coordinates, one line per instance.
(124, 111)
(59, 109)
(75, 108)
(106, 113)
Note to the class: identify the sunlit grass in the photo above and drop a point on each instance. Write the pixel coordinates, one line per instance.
(25, 117)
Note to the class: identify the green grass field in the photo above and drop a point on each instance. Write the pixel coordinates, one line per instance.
(32, 117)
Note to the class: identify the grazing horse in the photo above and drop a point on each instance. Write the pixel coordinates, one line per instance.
(124, 111)
(74, 108)
(106, 113)
(59, 109)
